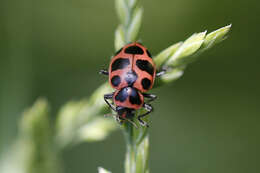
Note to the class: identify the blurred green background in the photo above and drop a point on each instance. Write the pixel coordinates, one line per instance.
(208, 121)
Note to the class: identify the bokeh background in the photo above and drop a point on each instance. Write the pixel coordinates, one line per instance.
(207, 121)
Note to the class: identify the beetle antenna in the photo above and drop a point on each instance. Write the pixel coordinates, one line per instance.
(109, 115)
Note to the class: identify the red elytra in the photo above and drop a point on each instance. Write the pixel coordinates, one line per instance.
(133, 59)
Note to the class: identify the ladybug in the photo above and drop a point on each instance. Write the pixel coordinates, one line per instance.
(132, 72)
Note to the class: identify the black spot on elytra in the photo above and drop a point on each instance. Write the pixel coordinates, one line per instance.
(146, 83)
(130, 78)
(134, 97)
(134, 50)
(120, 63)
(145, 66)
(148, 53)
(118, 51)
(122, 95)
(115, 81)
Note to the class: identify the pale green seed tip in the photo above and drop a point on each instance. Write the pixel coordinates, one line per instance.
(215, 37)
(189, 47)
(172, 75)
(35, 116)
(164, 55)
(40, 105)
(195, 37)
(120, 39)
(135, 25)
(97, 96)
(67, 121)
(34, 141)
(97, 129)
(122, 11)
(75, 115)
(102, 170)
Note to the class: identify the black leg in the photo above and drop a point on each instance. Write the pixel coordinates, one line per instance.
(149, 109)
(109, 96)
(159, 74)
(118, 119)
(130, 121)
(114, 115)
(104, 72)
(151, 97)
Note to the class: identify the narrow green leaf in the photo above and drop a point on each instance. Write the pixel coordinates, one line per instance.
(135, 25)
(164, 55)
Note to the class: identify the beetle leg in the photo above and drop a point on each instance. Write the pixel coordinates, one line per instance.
(118, 119)
(109, 96)
(149, 109)
(116, 116)
(104, 72)
(159, 74)
(151, 97)
(163, 71)
(130, 121)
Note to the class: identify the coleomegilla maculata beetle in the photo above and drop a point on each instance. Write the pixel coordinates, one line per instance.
(131, 73)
